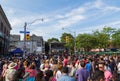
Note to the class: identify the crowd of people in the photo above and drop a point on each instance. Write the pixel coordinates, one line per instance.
(62, 67)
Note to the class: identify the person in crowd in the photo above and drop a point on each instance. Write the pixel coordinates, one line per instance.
(112, 64)
(58, 73)
(10, 71)
(76, 62)
(49, 76)
(92, 67)
(51, 64)
(34, 64)
(118, 68)
(107, 74)
(32, 73)
(98, 76)
(82, 74)
(5, 66)
(38, 62)
(39, 76)
(72, 69)
(107, 67)
(42, 66)
(18, 76)
(20, 62)
(65, 61)
(65, 76)
(47, 65)
(17, 62)
(59, 60)
(88, 66)
(26, 67)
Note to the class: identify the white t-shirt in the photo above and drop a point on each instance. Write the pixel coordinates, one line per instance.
(58, 74)
(118, 67)
(42, 67)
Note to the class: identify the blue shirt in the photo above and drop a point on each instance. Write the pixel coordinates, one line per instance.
(65, 77)
(88, 67)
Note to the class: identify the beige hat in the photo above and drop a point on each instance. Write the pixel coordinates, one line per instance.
(12, 65)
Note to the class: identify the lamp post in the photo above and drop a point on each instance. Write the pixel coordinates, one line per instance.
(74, 34)
(25, 26)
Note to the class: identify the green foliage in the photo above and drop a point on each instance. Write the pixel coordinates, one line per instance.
(109, 31)
(62, 38)
(102, 39)
(116, 39)
(98, 39)
(52, 40)
(108, 36)
(71, 42)
(86, 41)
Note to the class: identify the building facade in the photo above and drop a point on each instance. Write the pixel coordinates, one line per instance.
(40, 43)
(5, 28)
(14, 39)
(34, 45)
(31, 46)
(15, 42)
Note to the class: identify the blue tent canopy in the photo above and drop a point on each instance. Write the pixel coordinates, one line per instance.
(17, 51)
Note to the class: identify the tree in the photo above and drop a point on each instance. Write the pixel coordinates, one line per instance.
(102, 39)
(86, 41)
(69, 42)
(109, 31)
(116, 39)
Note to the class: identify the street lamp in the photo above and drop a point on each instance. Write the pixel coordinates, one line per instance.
(25, 26)
(74, 34)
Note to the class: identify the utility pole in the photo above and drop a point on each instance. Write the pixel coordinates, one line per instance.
(25, 38)
(32, 43)
(25, 31)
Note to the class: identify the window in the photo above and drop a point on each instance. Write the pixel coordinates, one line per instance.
(1, 26)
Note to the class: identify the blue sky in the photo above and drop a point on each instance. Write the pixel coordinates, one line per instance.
(80, 16)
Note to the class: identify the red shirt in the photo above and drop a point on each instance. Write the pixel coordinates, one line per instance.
(65, 62)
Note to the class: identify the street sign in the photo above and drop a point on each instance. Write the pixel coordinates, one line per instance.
(24, 32)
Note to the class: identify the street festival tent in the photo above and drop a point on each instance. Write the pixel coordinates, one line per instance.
(17, 51)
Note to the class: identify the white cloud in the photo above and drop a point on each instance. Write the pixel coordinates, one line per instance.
(76, 11)
(105, 7)
(114, 24)
(59, 16)
(101, 5)
(65, 19)
(15, 22)
(112, 8)
(98, 4)
(71, 20)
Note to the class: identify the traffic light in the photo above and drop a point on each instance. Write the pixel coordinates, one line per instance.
(67, 39)
(27, 36)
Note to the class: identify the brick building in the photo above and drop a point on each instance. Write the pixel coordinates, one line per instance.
(5, 28)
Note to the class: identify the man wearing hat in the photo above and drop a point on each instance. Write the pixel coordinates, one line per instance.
(10, 71)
